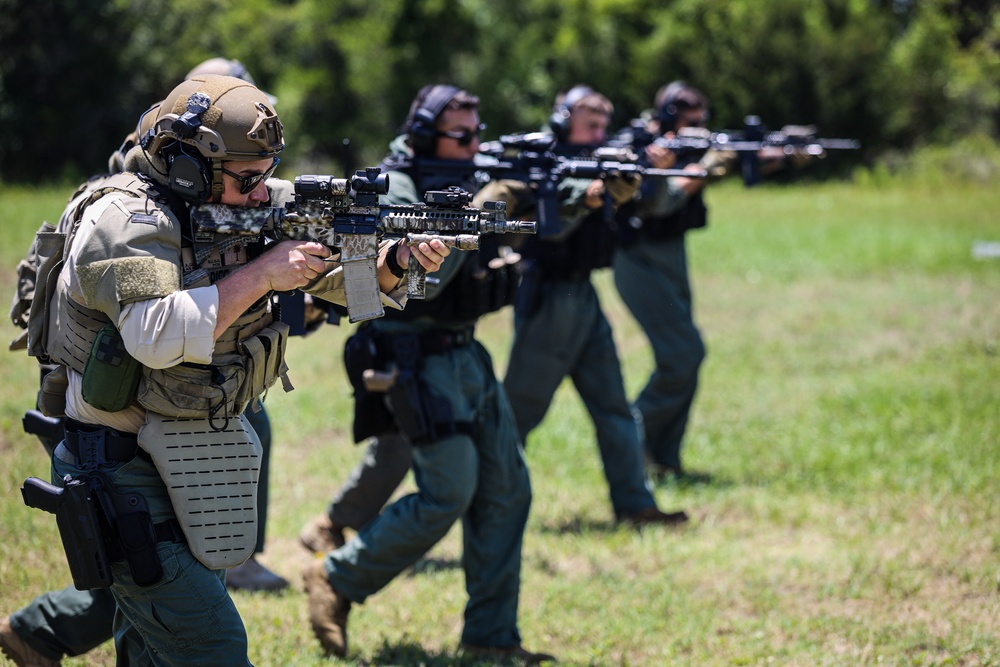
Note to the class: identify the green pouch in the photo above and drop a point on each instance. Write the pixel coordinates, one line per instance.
(111, 375)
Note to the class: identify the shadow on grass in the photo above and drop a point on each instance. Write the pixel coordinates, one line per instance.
(691, 479)
(431, 565)
(578, 526)
(410, 654)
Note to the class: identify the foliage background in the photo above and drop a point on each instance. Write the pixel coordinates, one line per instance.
(896, 74)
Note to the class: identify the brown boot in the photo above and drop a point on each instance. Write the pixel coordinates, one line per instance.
(650, 516)
(327, 610)
(506, 654)
(322, 535)
(18, 650)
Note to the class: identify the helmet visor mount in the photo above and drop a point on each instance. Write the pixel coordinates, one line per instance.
(266, 132)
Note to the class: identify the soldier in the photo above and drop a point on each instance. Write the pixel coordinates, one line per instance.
(559, 327)
(69, 621)
(132, 281)
(651, 274)
(251, 575)
(451, 412)
(388, 453)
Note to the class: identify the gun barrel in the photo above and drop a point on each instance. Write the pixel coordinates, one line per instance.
(508, 227)
(519, 227)
(686, 173)
(840, 144)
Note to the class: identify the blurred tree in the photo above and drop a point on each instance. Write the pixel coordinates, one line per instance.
(894, 73)
(60, 115)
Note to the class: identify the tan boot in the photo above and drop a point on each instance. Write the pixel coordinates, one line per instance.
(252, 576)
(18, 650)
(506, 654)
(327, 610)
(322, 535)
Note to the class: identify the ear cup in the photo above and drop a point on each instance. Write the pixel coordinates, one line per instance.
(423, 134)
(422, 128)
(189, 178)
(667, 114)
(559, 120)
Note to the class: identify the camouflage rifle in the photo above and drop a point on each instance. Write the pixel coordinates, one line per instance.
(347, 215)
(535, 158)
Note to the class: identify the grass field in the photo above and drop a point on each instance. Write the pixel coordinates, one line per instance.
(848, 413)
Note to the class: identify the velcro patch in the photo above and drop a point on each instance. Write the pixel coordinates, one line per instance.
(144, 218)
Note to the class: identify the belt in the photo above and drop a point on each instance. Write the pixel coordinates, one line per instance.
(440, 341)
(101, 444)
(576, 276)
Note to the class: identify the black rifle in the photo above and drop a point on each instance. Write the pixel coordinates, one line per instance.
(535, 158)
(690, 143)
(347, 215)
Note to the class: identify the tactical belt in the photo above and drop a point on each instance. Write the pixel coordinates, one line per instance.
(443, 340)
(574, 276)
(118, 446)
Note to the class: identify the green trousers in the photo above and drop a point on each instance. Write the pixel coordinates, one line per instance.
(69, 622)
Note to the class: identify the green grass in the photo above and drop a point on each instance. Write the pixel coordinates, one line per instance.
(848, 412)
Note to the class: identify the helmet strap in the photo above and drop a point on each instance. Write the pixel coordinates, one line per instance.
(217, 184)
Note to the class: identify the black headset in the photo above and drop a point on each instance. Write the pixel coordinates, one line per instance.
(422, 126)
(559, 120)
(188, 173)
(667, 113)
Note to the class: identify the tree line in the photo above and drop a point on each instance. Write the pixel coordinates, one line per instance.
(896, 74)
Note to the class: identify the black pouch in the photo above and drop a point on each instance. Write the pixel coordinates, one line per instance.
(128, 513)
(371, 417)
(51, 399)
(111, 374)
(407, 393)
(529, 293)
(408, 408)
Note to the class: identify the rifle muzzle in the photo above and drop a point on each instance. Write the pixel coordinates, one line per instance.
(519, 227)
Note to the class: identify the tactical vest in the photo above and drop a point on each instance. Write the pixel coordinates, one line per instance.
(247, 359)
(634, 227)
(45, 261)
(588, 248)
(195, 432)
(692, 215)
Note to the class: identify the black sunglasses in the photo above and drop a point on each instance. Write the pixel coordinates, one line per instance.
(464, 136)
(248, 183)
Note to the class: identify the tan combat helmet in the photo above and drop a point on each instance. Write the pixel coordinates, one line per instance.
(226, 67)
(222, 66)
(206, 120)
